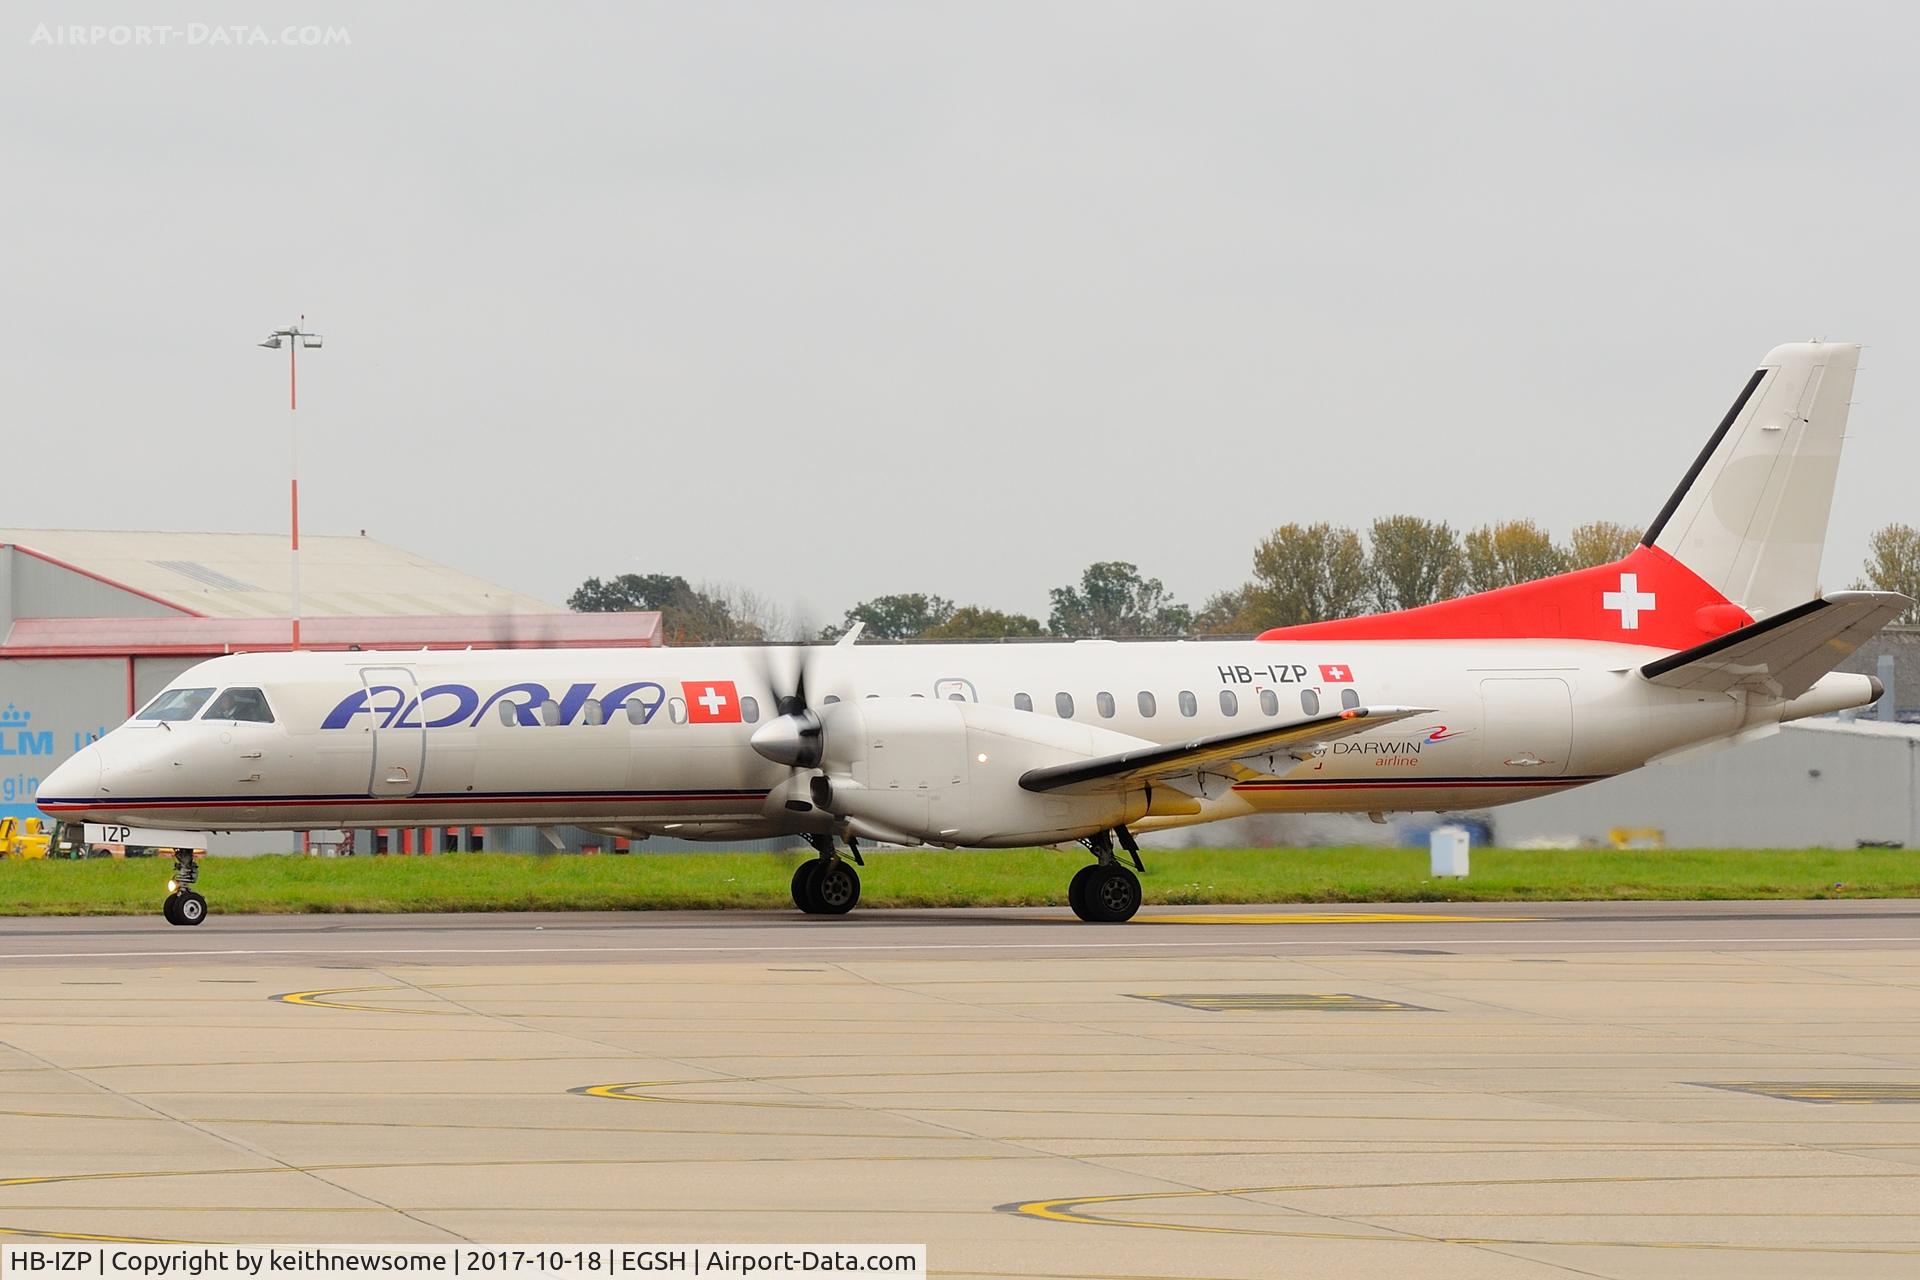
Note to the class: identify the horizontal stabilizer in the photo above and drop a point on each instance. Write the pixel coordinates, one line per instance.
(1784, 654)
(1115, 772)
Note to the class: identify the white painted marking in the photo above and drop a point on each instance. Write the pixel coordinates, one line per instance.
(1577, 943)
(712, 701)
(1629, 601)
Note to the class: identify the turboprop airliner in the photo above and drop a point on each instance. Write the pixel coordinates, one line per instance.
(1712, 632)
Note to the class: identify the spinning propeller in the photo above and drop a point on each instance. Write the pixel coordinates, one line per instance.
(797, 736)
(794, 737)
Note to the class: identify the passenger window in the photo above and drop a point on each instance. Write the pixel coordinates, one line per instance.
(956, 697)
(1147, 707)
(593, 712)
(1229, 703)
(677, 710)
(1063, 703)
(1310, 701)
(1269, 703)
(1189, 705)
(549, 712)
(176, 704)
(1104, 702)
(508, 713)
(1349, 698)
(830, 699)
(1021, 702)
(240, 704)
(636, 711)
(750, 709)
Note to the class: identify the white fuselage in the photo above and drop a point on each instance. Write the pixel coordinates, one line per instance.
(656, 740)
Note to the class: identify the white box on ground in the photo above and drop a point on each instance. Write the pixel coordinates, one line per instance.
(1449, 846)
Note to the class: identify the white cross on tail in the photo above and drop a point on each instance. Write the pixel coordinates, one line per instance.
(1628, 601)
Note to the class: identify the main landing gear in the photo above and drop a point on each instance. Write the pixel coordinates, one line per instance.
(827, 886)
(1106, 892)
(184, 906)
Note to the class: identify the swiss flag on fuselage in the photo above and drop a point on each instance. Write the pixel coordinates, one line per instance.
(711, 701)
(1336, 673)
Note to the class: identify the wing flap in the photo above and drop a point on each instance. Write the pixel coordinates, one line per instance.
(1125, 768)
(1782, 655)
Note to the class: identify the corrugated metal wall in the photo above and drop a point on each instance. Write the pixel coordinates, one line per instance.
(1903, 644)
(49, 707)
(36, 588)
(1812, 785)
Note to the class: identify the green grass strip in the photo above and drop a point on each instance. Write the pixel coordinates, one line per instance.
(921, 878)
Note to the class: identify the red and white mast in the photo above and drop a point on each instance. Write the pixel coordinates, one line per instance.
(294, 337)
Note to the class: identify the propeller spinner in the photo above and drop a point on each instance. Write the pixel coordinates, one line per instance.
(794, 737)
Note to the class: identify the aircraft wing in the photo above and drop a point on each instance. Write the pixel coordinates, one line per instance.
(1784, 654)
(1299, 739)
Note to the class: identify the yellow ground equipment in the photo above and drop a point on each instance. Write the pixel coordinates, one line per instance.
(23, 839)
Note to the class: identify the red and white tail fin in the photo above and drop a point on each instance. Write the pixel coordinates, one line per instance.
(1740, 538)
(1751, 516)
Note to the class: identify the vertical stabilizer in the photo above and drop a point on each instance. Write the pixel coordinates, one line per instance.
(1739, 540)
(1750, 518)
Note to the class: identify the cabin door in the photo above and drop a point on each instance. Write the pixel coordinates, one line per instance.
(399, 746)
(1529, 727)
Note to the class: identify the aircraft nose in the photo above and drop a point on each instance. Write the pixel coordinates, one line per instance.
(76, 780)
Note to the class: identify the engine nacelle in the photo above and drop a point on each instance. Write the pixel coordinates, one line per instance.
(910, 770)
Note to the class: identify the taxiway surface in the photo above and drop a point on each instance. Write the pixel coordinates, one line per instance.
(1619, 1090)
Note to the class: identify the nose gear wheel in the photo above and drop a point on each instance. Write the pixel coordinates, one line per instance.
(183, 906)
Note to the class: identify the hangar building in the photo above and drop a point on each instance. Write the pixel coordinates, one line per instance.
(94, 623)
(1825, 782)
(1893, 656)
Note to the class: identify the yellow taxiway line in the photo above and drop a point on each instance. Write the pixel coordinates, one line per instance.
(1327, 917)
(1073, 1210)
(323, 999)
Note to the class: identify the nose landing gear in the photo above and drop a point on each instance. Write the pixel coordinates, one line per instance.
(827, 886)
(183, 906)
(1105, 892)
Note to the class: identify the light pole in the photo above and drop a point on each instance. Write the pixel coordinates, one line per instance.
(293, 338)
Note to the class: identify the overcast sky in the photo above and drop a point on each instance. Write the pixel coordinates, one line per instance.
(833, 300)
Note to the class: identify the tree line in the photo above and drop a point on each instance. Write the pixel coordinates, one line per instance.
(1300, 573)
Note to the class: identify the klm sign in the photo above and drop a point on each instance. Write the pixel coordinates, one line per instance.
(16, 739)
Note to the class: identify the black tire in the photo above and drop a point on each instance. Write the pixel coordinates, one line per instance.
(1077, 890)
(835, 889)
(801, 874)
(192, 908)
(170, 908)
(1112, 895)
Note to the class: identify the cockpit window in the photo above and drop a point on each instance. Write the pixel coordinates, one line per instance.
(240, 704)
(176, 704)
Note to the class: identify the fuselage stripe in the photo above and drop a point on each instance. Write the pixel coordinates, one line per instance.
(754, 793)
(1419, 784)
(465, 797)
